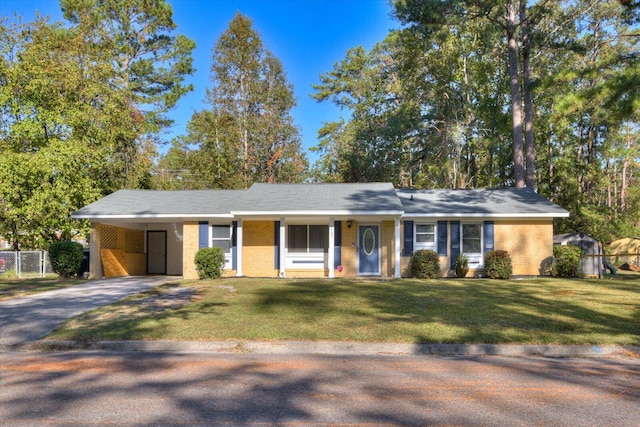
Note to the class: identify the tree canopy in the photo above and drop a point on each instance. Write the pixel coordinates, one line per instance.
(77, 120)
(450, 99)
(246, 134)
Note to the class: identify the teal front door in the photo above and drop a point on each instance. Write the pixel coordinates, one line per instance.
(368, 249)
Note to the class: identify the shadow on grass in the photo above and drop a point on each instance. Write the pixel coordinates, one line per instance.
(541, 311)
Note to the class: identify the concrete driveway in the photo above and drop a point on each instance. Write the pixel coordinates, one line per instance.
(30, 318)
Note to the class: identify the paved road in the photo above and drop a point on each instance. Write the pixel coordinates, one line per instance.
(31, 317)
(145, 388)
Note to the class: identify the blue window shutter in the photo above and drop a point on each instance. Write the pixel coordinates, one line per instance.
(337, 243)
(408, 238)
(488, 236)
(234, 245)
(455, 242)
(442, 238)
(203, 234)
(276, 245)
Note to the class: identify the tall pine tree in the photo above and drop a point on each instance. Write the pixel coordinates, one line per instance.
(247, 134)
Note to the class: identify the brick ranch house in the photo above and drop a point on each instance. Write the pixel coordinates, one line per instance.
(316, 230)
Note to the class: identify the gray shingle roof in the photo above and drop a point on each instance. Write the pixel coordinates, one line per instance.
(500, 202)
(321, 199)
(364, 198)
(154, 203)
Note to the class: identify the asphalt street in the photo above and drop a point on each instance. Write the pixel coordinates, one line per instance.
(207, 388)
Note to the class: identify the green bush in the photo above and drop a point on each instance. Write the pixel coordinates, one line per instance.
(425, 264)
(66, 257)
(210, 263)
(497, 264)
(567, 261)
(462, 266)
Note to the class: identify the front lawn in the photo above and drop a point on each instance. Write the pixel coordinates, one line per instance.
(534, 311)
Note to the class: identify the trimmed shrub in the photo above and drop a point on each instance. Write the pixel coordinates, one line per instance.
(425, 264)
(567, 261)
(209, 263)
(497, 264)
(66, 257)
(462, 266)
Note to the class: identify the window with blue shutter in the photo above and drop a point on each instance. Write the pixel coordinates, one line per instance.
(337, 244)
(488, 236)
(408, 238)
(203, 234)
(276, 250)
(234, 245)
(442, 238)
(455, 242)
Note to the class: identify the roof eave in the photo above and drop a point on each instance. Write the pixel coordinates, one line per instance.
(345, 212)
(486, 215)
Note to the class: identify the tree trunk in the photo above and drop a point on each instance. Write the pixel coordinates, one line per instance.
(516, 100)
(528, 96)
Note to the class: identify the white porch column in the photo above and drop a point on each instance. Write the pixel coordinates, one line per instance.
(332, 245)
(239, 249)
(397, 274)
(282, 248)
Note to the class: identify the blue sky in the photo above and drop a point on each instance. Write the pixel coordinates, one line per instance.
(308, 36)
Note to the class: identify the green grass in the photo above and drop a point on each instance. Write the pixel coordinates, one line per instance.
(14, 287)
(534, 311)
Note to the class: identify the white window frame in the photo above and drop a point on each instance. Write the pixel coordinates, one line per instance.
(425, 245)
(308, 259)
(228, 256)
(476, 259)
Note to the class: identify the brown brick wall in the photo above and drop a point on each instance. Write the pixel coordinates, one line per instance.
(528, 243)
(190, 247)
(348, 251)
(258, 249)
(387, 245)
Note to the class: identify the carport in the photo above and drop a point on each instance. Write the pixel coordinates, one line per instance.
(134, 249)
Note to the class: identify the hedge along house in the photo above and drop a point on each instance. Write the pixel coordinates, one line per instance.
(316, 230)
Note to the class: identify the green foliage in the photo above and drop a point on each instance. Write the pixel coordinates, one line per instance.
(247, 134)
(150, 61)
(425, 264)
(567, 261)
(209, 263)
(66, 257)
(429, 106)
(78, 106)
(462, 266)
(497, 264)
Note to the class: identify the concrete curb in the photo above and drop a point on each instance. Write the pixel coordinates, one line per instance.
(338, 348)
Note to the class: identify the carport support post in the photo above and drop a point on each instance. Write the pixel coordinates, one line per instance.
(397, 273)
(95, 262)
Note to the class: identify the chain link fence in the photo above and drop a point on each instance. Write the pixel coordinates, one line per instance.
(25, 264)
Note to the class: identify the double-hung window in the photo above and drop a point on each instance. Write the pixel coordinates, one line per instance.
(221, 238)
(425, 236)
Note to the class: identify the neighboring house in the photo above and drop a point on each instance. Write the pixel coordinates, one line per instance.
(316, 230)
(624, 250)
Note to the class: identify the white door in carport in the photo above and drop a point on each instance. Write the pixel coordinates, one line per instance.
(156, 252)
